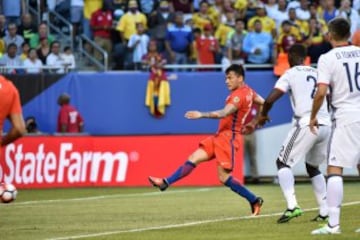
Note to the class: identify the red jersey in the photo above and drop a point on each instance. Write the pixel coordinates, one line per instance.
(252, 114)
(204, 46)
(9, 101)
(101, 19)
(70, 117)
(242, 98)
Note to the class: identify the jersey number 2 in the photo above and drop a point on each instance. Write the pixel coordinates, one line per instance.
(309, 78)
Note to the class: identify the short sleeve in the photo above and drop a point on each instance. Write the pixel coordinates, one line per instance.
(324, 74)
(283, 82)
(16, 105)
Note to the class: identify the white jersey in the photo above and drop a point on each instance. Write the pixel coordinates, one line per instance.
(340, 69)
(301, 82)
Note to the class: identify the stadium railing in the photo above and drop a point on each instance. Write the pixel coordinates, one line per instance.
(104, 65)
(66, 37)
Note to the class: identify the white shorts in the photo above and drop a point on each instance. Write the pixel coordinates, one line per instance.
(301, 144)
(345, 146)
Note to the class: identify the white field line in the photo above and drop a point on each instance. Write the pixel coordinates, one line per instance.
(100, 234)
(100, 197)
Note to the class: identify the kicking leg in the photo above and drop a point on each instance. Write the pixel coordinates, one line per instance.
(195, 158)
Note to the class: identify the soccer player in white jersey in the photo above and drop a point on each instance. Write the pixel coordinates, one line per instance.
(300, 144)
(339, 70)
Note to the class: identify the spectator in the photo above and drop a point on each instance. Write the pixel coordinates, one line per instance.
(2, 26)
(127, 27)
(316, 40)
(69, 58)
(13, 9)
(184, 6)
(76, 15)
(147, 6)
(258, 45)
(2, 47)
(281, 14)
(44, 50)
(286, 39)
(127, 23)
(271, 9)
(268, 24)
(138, 43)
(158, 89)
(69, 118)
(178, 40)
(25, 51)
(90, 6)
(101, 24)
(32, 126)
(42, 32)
(224, 29)
(10, 60)
(298, 28)
(329, 10)
(303, 12)
(54, 59)
(235, 52)
(241, 8)
(27, 28)
(349, 14)
(12, 37)
(33, 64)
(158, 23)
(203, 18)
(207, 46)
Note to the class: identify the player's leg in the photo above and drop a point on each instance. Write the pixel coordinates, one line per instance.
(344, 153)
(296, 145)
(316, 156)
(204, 153)
(195, 158)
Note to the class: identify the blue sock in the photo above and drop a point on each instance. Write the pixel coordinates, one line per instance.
(181, 172)
(236, 186)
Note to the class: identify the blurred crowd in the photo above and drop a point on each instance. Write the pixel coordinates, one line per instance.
(178, 31)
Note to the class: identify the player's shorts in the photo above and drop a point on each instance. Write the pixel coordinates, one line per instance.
(222, 146)
(345, 146)
(76, 14)
(301, 144)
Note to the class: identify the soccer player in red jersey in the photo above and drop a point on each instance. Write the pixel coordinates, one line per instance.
(69, 119)
(224, 144)
(10, 108)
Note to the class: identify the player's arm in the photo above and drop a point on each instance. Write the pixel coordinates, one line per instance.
(270, 100)
(226, 111)
(317, 102)
(16, 131)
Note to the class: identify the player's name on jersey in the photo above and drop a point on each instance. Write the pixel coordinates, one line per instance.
(348, 54)
(305, 69)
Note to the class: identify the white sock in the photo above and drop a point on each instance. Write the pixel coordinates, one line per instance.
(319, 188)
(287, 182)
(334, 199)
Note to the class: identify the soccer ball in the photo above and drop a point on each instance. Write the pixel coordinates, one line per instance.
(8, 192)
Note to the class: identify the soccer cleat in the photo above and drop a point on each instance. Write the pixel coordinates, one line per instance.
(290, 214)
(327, 230)
(159, 183)
(320, 218)
(256, 206)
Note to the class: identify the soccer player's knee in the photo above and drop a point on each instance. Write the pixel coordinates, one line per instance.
(312, 171)
(280, 164)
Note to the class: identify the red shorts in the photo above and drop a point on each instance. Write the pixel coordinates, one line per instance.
(222, 146)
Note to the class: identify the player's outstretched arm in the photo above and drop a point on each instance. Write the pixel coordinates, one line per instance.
(227, 110)
(270, 100)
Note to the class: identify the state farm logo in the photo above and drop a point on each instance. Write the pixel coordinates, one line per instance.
(63, 165)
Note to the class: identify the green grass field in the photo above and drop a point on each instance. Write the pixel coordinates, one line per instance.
(178, 213)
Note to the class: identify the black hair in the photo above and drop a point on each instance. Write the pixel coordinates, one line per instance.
(67, 48)
(297, 54)
(11, 45)
(237, 69)
(339, 29)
